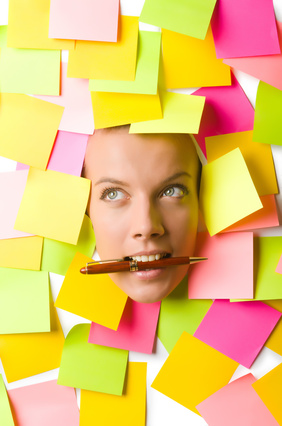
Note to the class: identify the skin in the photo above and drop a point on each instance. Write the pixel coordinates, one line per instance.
(144, 199)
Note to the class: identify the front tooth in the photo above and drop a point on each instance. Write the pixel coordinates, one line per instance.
(151, 257)
(144, 258)
(158, 256)
(138, 258)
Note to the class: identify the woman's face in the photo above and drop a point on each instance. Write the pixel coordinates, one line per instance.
(144, 203)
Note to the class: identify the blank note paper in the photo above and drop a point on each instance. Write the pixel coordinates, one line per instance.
(274, 342)
(6, 417)
(21, 253)
(279, 266)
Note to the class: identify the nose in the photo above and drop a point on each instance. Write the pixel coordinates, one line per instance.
(146, 220)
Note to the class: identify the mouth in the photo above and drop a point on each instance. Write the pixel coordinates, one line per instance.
(149, 257)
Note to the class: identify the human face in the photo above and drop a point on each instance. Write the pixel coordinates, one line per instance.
(144, 201)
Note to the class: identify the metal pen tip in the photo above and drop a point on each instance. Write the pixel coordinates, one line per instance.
(197, 259)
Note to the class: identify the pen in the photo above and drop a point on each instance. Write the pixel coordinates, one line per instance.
(130, 265)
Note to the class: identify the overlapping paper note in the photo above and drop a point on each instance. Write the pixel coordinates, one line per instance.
(6, 417)
(21, 253)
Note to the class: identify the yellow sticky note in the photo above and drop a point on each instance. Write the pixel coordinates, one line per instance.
(274, 342)
(269, 390)
(28, 128)
(105, 60)
(21, 253)
(125, 410)
(193, 371)
(53, 205)
(115, 109)
(227, 192)
(94, 297)
(258, 157)
(29, 26)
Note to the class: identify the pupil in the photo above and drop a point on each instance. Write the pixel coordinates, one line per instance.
(169, 191)
(112, 194)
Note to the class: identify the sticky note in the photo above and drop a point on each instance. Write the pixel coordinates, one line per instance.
(236, 35)
(258, 158)
(21, 253)
(190, 70)
(181, 114)
(53, 205)
(279, 266)
(94, 297)
(147, 69)
(97, 368)
(187, 18)
(136, 330)
(179, 314)
(227, 195)
(6, 417)
(57, 256)
(46, 402)
(84, 20)
(19, 313)
(76, 100)
(236, 403)
(227, 110)
(116, 109)
(29, 26)
(268, 389)
(210, 279)
(238, 329)
(30, 71)
(274, 342)
(37, 124)
(125, 410)
(267, 124)
(107, 61)
(267, 68)
(40, 352)
(192, 361)
(267, 251)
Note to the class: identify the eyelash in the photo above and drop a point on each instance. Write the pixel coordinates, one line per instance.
(107, 190)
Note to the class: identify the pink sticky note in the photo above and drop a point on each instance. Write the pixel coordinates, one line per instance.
(238, 329)
(227, 110)
(228, 272)
(75, 97)
(244, 28)
(279, 266)
(236, 404)
(136, 330)
(12, 185)
(84, 19)
(44, 404)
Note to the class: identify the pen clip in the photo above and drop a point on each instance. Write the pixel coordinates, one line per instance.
(102, 261)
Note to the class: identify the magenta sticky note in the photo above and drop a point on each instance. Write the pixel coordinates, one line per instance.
(228, 272)
(244, 28)
(236, 404)
(279, 266)
(227, 110)
(136, 330)
(44, 404)
(94, 20)
(238, 329)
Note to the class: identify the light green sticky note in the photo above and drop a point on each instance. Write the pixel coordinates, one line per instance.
(178, 314)
(57, 256)
(147, 69)
(24, 301)
(267, 122)
(3, 35)
(30, 71)
(181, 114)
(187, 17)
(6, 418)
(97, 368)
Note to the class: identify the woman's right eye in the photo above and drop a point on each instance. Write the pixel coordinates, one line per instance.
(113, 194)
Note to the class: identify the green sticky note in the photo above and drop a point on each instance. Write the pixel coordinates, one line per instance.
(30, 71)
(147, 69)
(187, 17)
(3, 35)
(6, 418)
(268, 123)
(57, 256)
(178, 314)
(24, 301)
(181, 114)
(97, 368)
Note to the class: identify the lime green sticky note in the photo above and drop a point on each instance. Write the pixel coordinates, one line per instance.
(227, 192)
(181, 114)
(97, 368)
(6, 417)
(24, 301)
(57, 256)
(30, 71)
(267, 123)
(3, 35)
(187, 17)
(147, 69)
(178, 314)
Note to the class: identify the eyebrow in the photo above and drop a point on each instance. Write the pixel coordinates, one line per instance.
(120, 182)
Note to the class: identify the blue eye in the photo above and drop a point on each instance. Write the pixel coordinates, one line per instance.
(174, 191)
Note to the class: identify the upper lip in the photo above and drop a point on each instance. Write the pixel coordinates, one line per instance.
(148, 253)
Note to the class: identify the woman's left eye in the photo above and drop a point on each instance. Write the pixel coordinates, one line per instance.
(174, 191)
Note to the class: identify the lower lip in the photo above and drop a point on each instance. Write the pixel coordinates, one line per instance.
(149, 274)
